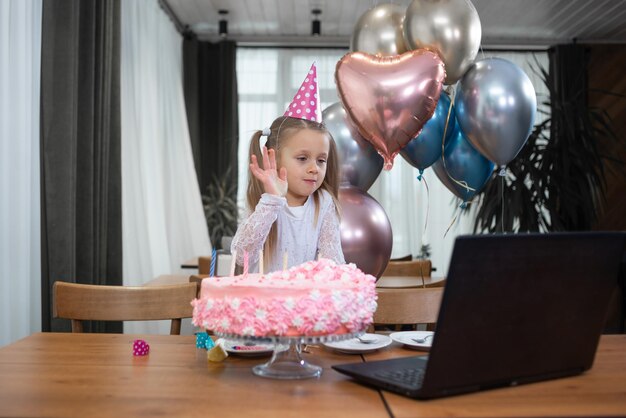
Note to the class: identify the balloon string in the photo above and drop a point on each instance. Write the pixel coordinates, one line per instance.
(502, 201)
(420, 178)
(427, 206)
(453, 221)
(463, 205)
(502, 175)
(461, 183)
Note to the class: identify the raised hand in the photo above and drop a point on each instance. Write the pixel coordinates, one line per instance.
(274, 182)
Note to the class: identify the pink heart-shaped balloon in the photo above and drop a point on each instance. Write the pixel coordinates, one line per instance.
(389, 99)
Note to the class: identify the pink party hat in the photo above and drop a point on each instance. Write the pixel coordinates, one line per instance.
(305, 104)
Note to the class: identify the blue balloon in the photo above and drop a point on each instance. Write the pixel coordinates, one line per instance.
(463, 164)
(425, 149)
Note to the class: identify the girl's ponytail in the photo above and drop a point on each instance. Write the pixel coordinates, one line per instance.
(255, 188)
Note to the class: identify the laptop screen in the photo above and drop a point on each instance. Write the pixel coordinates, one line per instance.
(522, 306)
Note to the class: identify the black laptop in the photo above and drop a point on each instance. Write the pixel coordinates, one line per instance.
(516, 309)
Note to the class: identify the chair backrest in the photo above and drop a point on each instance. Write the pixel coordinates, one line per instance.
(408, 306)
(80, 302)
(197, 279)
(408, 268)
(204, 264)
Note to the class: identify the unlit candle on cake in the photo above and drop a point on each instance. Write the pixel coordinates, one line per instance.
(233, 263)
(261, 261)
(213, 257)
(245, 263)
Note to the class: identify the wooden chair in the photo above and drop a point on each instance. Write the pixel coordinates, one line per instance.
(408, 306)
(80, 302)
(409, 268)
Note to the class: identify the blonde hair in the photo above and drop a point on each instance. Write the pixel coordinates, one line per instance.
(281, 130)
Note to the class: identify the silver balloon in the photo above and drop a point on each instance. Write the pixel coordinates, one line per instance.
(366, 237)
(496, 106)
(379, 31)
(359, 162)
(449, 27)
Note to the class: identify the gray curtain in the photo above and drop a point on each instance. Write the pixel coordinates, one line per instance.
(210, 83)
(81, 210)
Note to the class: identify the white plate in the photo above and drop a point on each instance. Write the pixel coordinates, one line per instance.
(354, 346)
(242, 349)
(406, 338)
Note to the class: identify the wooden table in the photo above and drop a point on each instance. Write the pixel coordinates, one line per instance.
(95, 375)
(406, 282)
(385, 282)
(600, 391)
(192, 263)
(167, 279)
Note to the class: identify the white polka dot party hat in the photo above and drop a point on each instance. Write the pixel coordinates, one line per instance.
(305, 103)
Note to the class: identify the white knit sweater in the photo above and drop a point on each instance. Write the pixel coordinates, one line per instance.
(297, 233)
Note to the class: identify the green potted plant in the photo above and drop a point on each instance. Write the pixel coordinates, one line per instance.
(220, 208)
(424, 252)
(556, 183)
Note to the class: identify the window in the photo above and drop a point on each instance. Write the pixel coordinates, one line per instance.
(419, 212)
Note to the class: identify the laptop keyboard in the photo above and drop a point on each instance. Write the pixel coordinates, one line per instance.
(409, 377)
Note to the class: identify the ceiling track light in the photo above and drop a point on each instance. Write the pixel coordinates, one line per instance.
(223, 23)
(316, 25)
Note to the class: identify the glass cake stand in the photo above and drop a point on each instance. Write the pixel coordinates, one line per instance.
(287, 363)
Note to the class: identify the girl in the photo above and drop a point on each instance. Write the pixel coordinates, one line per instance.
(294, 208)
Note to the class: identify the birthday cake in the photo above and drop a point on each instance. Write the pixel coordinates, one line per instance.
(312, 299)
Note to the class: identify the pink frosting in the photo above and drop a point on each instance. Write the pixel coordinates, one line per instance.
(314, 298)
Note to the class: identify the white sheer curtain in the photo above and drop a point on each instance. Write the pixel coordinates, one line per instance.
(267, 79)
(163, 218)
(20, 230)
